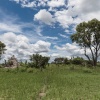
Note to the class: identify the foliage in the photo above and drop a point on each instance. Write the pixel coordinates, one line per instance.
(2, 48)
(87, 70)
(30, 70)
(62, 84)
(66, 61)
(88, 37)
(39, 61)
(61, 60)
(22, 69)
(77, 61)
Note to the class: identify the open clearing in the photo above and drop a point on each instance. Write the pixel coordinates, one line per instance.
(53, 83)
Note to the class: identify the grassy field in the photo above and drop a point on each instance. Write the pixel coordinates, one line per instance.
(53, 83)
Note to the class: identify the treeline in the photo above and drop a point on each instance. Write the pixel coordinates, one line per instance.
(74, 60)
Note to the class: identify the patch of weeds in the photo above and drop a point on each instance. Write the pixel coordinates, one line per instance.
(30, 70)
(87, 70)
(72, 67)
(22, 69)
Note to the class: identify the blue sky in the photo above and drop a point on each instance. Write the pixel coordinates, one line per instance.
(43, 26)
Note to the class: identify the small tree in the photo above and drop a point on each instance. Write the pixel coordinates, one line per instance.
(78, 61)
(88, 37)
(66, 61)
(39, 61)
(59, 61)
(2, 49)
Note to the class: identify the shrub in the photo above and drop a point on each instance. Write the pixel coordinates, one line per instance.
(77, 61)
(39, 61)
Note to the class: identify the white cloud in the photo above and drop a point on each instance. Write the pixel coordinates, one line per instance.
(63, 18)
(64, 36)
(29, 4)
(43, 3)
(4, 26)
(72, 49)
(49, 37)
(20, 46)
(81, 10)
(86, 10)
(56, 3)
(44, 16)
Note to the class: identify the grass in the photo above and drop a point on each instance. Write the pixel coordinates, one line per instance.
(62, 83)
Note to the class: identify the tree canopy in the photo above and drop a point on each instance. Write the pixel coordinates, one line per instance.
(88, 37)
(39, 61)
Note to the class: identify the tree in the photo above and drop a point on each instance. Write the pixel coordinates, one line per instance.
(59, 61)
(2, 49)
(78, 61)
(88, 37)
(39, 61)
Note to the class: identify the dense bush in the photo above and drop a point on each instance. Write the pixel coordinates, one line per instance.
(77, 61)
(61, 60)
(39, 61)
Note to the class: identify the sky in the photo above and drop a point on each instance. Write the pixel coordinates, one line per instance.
(43, 26)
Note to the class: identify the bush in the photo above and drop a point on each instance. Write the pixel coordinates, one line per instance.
(77, 61)
(31, 64)
(30, 70)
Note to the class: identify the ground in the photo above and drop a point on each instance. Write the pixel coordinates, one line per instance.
(53, 83)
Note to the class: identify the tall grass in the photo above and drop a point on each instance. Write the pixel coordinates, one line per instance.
(61, 83)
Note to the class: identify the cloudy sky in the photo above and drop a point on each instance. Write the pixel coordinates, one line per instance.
(43, 26)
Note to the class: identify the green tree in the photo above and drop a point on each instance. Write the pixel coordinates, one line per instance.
(78, 61)
(88, 37)
(39, 61)
(2, 49)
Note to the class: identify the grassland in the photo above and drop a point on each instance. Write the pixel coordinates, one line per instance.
(53, 83)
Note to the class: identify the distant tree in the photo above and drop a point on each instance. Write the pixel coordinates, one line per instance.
(39, 61)
(66, 61)
(59, 60)
(88, 37)
(78, 61)
(2, 49)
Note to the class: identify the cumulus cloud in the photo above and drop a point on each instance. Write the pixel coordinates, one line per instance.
(35, 3)
(20, 46)
(86, 10)
(65, 12)
(73, 49)
(44, 16)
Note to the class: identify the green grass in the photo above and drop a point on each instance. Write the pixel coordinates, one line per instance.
(62, 83)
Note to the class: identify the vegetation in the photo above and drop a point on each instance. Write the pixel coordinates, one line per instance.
(78, 61)
(52, 84)
(39, 61)
(88, 37)
(73, 80)
(2, 48)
